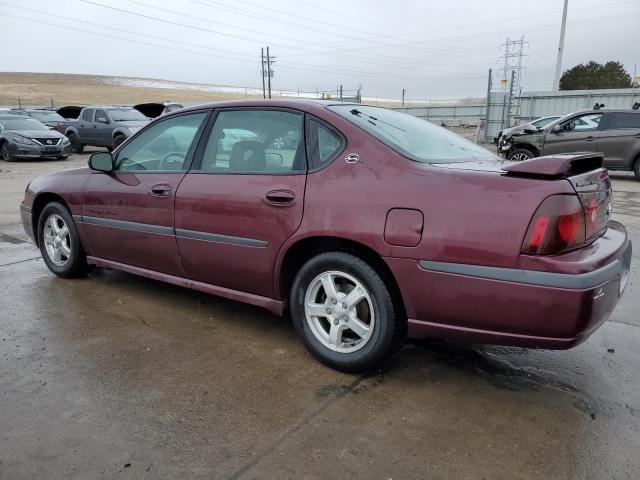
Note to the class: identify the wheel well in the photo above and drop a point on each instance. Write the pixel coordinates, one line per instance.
(635, 162)
(38, 205)
(529, 147)
(302, 251)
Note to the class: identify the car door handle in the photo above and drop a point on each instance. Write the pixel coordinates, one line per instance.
(590, 138)
(280, 198)
(160, 190)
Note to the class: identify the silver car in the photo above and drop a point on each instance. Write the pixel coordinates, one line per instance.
(26, 137)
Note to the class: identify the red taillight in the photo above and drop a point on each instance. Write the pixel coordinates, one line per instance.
(557, 226)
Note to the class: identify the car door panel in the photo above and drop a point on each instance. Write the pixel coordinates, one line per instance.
(228, 232)
(127, 223)
(236, 210)
(584, 138)
(620, 141)
(129, 212)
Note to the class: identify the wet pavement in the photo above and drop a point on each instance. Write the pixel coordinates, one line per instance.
(116, 376)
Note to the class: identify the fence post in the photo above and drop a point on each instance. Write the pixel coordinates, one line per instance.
(488, 106)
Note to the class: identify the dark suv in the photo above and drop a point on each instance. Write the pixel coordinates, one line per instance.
(614, 132)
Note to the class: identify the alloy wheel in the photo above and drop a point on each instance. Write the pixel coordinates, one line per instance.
(57, 240)
(520, 157)
(339, 311)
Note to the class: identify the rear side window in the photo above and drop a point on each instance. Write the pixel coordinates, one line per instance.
(87, 115)
(323, 144)
(625, 120)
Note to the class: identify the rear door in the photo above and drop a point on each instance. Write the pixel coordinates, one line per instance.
(243, 199)
(129, 212)
(620, 140)
(577, 134)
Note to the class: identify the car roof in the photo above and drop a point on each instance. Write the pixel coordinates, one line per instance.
(605, 110)
(297, 103)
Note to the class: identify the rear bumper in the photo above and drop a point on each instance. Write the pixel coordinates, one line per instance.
(529, 308)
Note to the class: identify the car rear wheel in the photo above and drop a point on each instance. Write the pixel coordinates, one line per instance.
(76, 146)
(636, 168)
(344, 312)
(6, 153)
(59, 242)
(521, 154)
(61, 157)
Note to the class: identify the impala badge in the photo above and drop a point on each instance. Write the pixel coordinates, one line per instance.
(352, 158)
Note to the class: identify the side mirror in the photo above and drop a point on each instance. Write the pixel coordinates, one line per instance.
(101, 161)
(556, 129)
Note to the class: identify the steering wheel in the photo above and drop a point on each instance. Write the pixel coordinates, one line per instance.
(172, 161)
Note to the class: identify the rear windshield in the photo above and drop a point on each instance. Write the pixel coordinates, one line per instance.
(126, 115)
(22, 123)
(413, 137)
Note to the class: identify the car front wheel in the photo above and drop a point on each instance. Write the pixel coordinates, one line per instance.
(59, 242)
(345, 313)
(6, 153)
(521, 154)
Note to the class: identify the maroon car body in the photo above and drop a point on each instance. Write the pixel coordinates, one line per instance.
(447, 237)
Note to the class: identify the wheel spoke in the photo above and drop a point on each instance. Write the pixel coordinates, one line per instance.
(329, 286)
(57, 255)
(48, 239)
(55, 228)
(355, 296)
(64, 231)
(66, 251)
(335, 334)
(317, 309)
(356, 326)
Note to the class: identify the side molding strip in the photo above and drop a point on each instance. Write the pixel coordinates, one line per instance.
(192, 234)
(218, 238)
(580, 281)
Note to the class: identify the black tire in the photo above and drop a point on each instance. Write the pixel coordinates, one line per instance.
(76, 146)
(62, 157)
(520, 153)
(117, 140)
(6, 153)
(76, 264)
(636, 168)
(389, 326)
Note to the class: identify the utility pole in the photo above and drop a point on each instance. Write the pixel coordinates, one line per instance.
(403, 92)
(513, 76)
(270, 60)
(556, 79)
(513, 61)
(264, 94)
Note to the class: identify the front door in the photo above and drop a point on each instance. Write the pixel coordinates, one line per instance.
(620, 140)
(243, 199)
(577, 134)
(129, 213)
(102, 129)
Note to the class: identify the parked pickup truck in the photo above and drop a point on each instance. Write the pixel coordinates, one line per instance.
(104, 126)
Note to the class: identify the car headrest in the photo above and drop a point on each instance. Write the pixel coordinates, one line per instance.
(247, 156)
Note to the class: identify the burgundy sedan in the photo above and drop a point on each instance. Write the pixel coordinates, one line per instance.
(368, 226)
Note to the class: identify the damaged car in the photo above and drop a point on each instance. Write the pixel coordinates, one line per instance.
(613, 132)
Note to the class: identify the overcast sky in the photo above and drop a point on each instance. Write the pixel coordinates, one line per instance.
(437, 49)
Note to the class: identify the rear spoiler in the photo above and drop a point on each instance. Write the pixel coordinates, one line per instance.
(557, 166)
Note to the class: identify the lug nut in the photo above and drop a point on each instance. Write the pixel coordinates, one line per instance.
(328, 310)
(334, 301)
(344, 305)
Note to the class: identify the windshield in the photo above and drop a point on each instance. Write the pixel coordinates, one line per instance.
(126, 115)
(543, 122)
(47, 116)
(21, 123)
(413, 137)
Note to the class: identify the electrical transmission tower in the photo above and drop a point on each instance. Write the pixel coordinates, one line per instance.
(512, 72)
